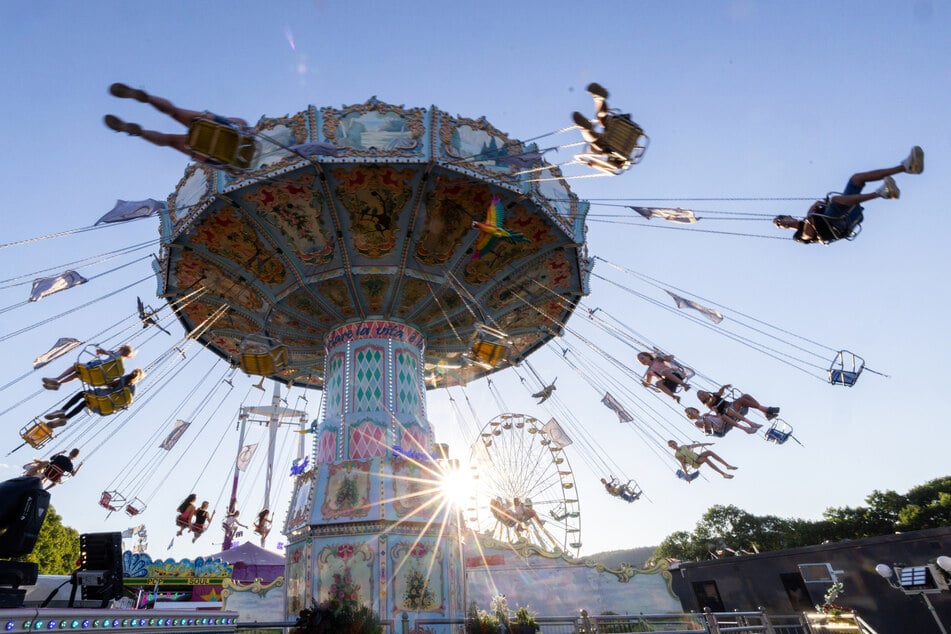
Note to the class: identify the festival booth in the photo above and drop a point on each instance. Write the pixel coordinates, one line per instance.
(256, 587)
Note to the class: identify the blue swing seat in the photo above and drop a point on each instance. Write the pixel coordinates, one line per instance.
(689, 477)
(846, 368)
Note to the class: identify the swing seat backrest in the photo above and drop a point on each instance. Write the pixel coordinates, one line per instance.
(99, 373)
(843, 377)
(846, 368)
(264, 363)
(777, 436)
(108, 404)
(111, 500)
(832, 228)
(488, 352)
(623, 138)
(220, 143)
(37, 434)
(53, 473)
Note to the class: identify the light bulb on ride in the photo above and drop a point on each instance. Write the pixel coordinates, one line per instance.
(884, 570)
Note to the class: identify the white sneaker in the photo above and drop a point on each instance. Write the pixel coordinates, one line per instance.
(915, 163)
(888, 189)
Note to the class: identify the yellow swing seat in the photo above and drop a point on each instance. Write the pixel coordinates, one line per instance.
(99, 374)
(489, 346)
(36, 434)
(221, 143)
(108, 404)
(265, 363)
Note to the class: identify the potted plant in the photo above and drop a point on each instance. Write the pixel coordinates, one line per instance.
(338, 617)
(481, 622)
(524, 622)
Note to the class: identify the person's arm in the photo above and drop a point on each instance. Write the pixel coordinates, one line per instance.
(78, 467)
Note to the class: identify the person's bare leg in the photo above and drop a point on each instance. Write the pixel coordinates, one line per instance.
(704, 458)
(746, 400)
(860, 178)
(716, 457)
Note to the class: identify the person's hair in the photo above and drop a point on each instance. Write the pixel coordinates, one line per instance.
(135, 376)
(74, 452)
(184, 505)
(692, 413)
(263, 514)
(126, 351)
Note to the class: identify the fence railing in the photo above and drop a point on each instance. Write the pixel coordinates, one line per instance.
(688, 623)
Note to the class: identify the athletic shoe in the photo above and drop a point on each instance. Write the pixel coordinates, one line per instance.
(915, 163)
(772, 412)
(581, 121)
(728, 476)
(597, 90)
(54, 415)
(115, 123)
(124, 92)
(888, 189)
(50, 384)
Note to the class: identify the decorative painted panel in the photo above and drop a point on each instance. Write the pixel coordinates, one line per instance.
(369, 380)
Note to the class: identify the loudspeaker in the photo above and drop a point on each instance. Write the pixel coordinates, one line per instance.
(100, 555)
(24, 504)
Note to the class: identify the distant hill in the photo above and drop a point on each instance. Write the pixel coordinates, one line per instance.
(614, 558)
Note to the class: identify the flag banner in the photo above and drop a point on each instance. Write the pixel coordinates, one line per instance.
(61, 347)
(245, 455)
(132, 209)
(678, 215)
(556, 434)
(709, 313)
(176, 433)
(613, 404)
(48, 285)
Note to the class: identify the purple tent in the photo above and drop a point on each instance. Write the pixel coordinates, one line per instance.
(252, 562)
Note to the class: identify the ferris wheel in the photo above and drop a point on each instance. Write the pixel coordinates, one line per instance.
(524, 488)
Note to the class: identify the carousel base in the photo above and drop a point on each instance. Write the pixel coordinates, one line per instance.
(92, 620)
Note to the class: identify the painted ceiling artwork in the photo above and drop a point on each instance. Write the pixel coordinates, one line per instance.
(378, 227)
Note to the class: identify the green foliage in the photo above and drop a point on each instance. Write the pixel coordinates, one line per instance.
(57, 547)
(481, 622)
(338, 617)
(726, 529)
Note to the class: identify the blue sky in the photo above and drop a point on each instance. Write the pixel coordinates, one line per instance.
(742, 99)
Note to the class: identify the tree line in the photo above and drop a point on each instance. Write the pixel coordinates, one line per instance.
(728, 530)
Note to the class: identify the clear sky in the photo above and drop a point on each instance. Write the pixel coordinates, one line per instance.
(742, 99)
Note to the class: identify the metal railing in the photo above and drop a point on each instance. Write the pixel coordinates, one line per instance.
(686, 623)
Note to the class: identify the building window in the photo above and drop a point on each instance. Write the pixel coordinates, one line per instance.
(708, 596)
(797, 591)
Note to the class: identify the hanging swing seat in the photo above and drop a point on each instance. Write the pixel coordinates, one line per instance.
(221, 144)
(37, 433)
(622, 144)
(779, 432)
(689, 477)
(98, 372)
(111, 500)
(54, 473)
(846, 226)
(110, 403)
(134, 506)
(489, 346)
(262, 356)
(846, 368)
(628, 493)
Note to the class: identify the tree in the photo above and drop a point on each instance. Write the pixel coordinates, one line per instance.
(728, 529)
(57, 547)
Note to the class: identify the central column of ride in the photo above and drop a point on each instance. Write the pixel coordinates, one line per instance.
(370, 523)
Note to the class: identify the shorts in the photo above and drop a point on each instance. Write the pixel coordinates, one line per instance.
(835, 210)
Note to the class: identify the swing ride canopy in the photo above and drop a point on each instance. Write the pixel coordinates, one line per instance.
(366, 212)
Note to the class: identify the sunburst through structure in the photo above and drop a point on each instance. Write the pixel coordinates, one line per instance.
(355, 270)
